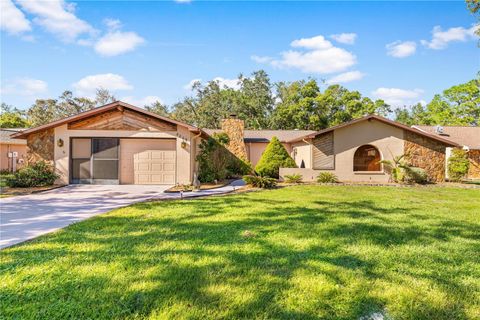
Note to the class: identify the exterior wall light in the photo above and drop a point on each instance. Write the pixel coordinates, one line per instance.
(60, 143)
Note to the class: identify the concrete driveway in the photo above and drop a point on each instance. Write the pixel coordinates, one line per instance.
(27, 217)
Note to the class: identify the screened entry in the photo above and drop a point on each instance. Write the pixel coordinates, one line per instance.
(94, 160)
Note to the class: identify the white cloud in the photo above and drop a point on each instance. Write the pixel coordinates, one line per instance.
(189, 86)
(317, 42)
(117, 42)
(398, 97)
(113, 82)
(24, 87)
(12, 19)
(229, 83)
(400, 49)
(141, 102)
(58, 18)
(346, 77)
(112, 24)
(320, 56)
(346, 38)
(183, 1)
(440, 39)
(259, 59)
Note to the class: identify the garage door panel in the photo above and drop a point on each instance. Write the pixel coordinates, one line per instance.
(148, 161)
(169, 167)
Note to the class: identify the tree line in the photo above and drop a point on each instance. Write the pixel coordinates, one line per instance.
(265, 105)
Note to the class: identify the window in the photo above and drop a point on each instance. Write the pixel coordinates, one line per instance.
(366, 158)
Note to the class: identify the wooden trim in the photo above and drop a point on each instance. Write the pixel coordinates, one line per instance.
(107, 107)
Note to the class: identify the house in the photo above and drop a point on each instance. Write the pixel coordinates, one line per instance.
(12, 151)
(468, 137)
(121, 144)
(116, 144)
(351, 150)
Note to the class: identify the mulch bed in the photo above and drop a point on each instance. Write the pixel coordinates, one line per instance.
(6, 191)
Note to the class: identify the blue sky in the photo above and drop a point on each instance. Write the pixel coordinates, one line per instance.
(403, 52)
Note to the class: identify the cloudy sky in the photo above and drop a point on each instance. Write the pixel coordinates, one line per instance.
(403, 52)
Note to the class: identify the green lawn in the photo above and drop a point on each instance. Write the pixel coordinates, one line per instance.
(306, 252)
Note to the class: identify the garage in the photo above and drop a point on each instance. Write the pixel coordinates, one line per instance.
(147, 161)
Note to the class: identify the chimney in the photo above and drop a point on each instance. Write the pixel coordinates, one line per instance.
(234, 128)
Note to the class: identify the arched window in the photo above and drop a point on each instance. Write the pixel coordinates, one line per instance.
(366, 158)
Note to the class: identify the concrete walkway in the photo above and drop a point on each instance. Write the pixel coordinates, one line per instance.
(27, 217)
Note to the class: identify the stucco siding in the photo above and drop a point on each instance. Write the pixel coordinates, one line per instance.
(302, 152)
(5, 161)
(387, 139)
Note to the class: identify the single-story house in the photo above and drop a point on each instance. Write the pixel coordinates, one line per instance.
(122, 144)
(13, 152)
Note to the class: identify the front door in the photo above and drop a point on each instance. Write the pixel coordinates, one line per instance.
(95, 160)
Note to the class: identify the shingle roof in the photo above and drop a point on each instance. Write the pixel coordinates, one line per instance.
(5, 136)
(465, 136)
(267, 135)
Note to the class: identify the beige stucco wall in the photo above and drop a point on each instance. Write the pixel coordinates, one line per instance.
(184, 155)
(388, 140)
(5, 161)
(302, 151)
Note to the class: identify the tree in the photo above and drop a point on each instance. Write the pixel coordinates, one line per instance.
(252, 102)
(255, 102)
(303, 106)
(103, 97)
(11, 117)
(474, 7)
(158, 108)
(46, 110)
(273, 158)
(456, 106)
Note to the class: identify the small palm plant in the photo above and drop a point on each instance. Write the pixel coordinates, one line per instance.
(397, 167)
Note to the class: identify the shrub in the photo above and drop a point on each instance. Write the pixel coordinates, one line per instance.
(293, 178)
(458, 165)
(273, 158)
(215, 162)
(415, 175)
(38, 174)
(259, 181)
(327, 177)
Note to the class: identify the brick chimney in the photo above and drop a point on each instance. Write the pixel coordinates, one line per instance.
(234, 128)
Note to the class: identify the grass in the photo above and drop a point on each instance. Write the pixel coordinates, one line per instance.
(3, 179)
(302, 252)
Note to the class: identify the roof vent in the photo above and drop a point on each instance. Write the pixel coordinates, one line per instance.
(439, 129)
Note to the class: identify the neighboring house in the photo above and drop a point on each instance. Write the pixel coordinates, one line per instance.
(121, 144)
(10, 147)
(468, 137)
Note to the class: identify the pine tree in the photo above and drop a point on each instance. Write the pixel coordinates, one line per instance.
(273, 158)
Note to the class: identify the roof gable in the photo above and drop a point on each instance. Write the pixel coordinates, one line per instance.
(117, 105)
(381, 119)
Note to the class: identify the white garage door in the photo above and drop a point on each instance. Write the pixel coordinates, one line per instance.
(147, 161)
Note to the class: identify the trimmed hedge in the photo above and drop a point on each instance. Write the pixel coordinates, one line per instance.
(273, 158)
